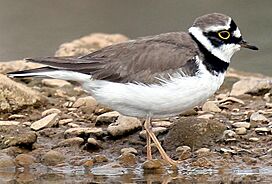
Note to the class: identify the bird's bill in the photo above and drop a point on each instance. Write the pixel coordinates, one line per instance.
(245, 44)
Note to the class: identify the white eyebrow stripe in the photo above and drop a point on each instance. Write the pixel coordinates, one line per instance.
(237, 33)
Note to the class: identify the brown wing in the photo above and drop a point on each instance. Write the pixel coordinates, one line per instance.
(141, 60)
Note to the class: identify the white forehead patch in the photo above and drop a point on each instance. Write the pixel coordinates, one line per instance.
(219, 27)
(237, 33)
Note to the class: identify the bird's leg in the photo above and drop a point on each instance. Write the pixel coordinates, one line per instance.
(148, 139)
(158, 144)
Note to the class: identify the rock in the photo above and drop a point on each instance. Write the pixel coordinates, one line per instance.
(15, 96)
(47, 121)
(65, 121)
(251, 86)
(241, 124)
(87, 103)
(232, 99)
(267, 97)
(193, 132)
(89, 43)
(72, 132)
(9, 123)
(73, 125)
(254, 139)
(228, 134)
(124, 125)
(16, 116)
(156, 130)
(152, 165)
(88, 164)
(24, 160)
(202, 162)
(184, 152)
(206, 116)
(74, 141)
(6, 162)
(23, 139)
(100, 159)
(257, 117)
(52, 158)
(93, 142)
(210, 106)
(107, 118)
(241, 131)
(51, 111)
(261, 130)
(203, 152)
(129, 150)
(162, 124)
(127, 159)
(225, 150)
(55, 83)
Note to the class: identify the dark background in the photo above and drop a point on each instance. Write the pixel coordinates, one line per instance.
(31, 28)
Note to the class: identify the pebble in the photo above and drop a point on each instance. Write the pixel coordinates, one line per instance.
(241, 124)
(184, 152)
(202, 162)
(229, 133)
(65, 121)
(92, 141)
(79, 131)
(202, 150)
(107, 118)
(24, 160)
(241, 131)
(206, 116)
(254, 139)
(9, 123)
(55, 83)
(129, 150)
(232, 99)
(152, 165)
(225, 150)
(47, 121)
(156, 130)
(100, 159)
(51, 111)
(22, 139)
(162, 124)
(74, 141)
(268, 105)
(6, 162)
(52, 158)
(257, 117)
(16, 116)
(88, 102)
(267, 98)
(73, 125)
(124, 125)
(127, 159)
(210, 106)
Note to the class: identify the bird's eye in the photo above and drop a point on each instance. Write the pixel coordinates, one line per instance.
(224, 35)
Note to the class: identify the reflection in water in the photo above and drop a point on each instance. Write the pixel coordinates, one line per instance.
(138, 176)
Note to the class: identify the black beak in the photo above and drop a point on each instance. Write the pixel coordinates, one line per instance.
(245, 44)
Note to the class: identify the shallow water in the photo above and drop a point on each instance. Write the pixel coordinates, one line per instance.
(103, 174)
(31, 28)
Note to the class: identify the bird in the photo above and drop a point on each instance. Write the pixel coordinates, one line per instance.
(155, 76)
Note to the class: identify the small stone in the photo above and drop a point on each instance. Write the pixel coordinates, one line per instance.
(241, 124)
(262, 130)
(87, 102)
(47, 121)
(162, 124)
(268, 105)
(152, 165)
(81, 131)
(55, 83)
(107, 118)
(92, 141)
(156, 130)
(228, 134)
(52, 158)
(267, 97)
(127, 159)
(6, 162)
(124, 125)
(184, 152)
(100, 159)
(129, 150)
(210, 106)
(9, 123)
(202, 150)
(74, 141)
(232, 99)
(23, 139)
(254, 139)
(206, 116)
(88, 163)
(257, 117)
(65, 121)
(24, 160)
(16, 116)
(50, 111)
(73, 125)
(241, 131)
(225, 150)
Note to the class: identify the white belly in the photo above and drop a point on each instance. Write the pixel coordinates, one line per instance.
(158, 100)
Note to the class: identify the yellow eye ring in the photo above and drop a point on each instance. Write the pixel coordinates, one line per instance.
(224, 35)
